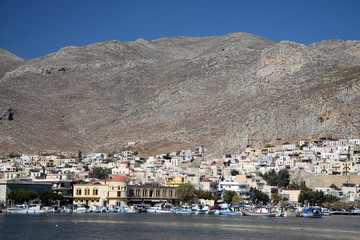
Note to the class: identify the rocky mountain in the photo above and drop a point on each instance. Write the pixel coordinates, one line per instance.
(222, 92)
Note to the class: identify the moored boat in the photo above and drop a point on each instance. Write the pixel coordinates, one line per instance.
(24, 209)
(158, 208)
(81, 208)
(311, 213)
(259, 212)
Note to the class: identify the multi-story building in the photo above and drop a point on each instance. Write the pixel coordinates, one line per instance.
(118, 191)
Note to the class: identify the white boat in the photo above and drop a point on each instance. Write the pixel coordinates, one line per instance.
(260, 212)
(184, 210)
(94, 209)
(129, 209)
(81, 208)
(326, 212)
(203, 210)
(24, 209)
(227, 211)
(158, 208)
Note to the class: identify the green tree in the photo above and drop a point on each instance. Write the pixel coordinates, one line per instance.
(100, 173)
(311, 197)
(216, 197)
(80, 155)
(185, 192)
(275, 198)
(237, 200)
(21, 195)
(201, 194)
(335, 187)
(234, 172)
(229, 196)
(48, 198)
(284, 203)
(67, 165)
(256, 196)
(271, 177)
(301, 186)
(283, 178)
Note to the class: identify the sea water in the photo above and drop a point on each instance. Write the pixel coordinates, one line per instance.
(174, 226)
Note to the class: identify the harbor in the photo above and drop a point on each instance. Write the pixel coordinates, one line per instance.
(173, 226)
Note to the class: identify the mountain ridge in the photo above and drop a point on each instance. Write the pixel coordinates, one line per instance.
(222, 92)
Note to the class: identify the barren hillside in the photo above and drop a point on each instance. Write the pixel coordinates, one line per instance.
(222, 92)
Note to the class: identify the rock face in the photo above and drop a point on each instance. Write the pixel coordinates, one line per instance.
(169, 94)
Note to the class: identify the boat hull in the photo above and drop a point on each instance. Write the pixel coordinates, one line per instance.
(257, 214)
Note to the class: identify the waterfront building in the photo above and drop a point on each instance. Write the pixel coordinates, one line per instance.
(9, 185)
(120, 191)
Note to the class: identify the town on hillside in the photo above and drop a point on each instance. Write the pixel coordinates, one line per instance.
(124, 178)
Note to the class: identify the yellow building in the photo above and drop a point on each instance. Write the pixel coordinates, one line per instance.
(93, 193)
(9, 175)
(346, 168)
(291, 194)
(117, 192)
(174, 181)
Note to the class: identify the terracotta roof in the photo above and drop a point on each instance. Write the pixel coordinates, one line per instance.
(206, 180)
(120, 179)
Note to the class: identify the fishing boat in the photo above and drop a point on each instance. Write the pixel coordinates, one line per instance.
(24, 209)
(184, 210)
(227, 211)
(158, 208)
(311, 213)
(129, 209)
(326, 212)
(81, 208)
(259, 212)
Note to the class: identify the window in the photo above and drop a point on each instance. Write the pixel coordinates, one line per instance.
(95, 191)
(87, 191)
(119, 193)
(78, 191)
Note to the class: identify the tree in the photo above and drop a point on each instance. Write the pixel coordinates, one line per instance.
(283, 178)
(80, 155)
(49, 198)
(229, 196)
(21, 195)
(100, 173)
(275, 198)
(284, 203)
(312, 197)
(167, 156)
(335, 187)
(271, 177)
(185, 192)
(234, 172)
(67, 165)
(301, 186)
(237, 200)
(256, 196)
(201, 194)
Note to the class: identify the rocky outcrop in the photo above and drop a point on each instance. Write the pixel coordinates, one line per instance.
(168, 94)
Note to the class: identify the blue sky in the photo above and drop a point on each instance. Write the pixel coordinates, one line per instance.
(34, 28)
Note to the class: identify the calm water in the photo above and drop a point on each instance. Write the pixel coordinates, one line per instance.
(174, 226)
